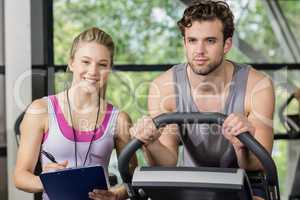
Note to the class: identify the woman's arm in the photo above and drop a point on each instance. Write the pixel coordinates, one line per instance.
(122, 137)
(34, 124)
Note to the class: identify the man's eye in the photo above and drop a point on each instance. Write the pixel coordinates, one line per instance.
(85, 62)
(211, 41)
(102, 65)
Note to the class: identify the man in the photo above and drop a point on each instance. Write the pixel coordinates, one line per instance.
(208, 83)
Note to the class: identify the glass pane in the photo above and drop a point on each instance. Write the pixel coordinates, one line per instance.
(149, 35)
(290, 9)
(254, 37)
(134, 89)
(285, 82)
(145, 32)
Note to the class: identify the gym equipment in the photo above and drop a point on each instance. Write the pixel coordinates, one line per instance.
(189, 183)
(295, 192)
(17, 127)
(290, 122)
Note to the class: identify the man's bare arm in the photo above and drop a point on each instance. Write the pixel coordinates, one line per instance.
(161, 99)
(260, 102)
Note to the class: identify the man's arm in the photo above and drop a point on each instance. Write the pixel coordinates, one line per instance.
(161, 147)
(259, 106)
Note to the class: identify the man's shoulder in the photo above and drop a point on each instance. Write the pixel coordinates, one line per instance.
(167, 76)
(253, 73)
(162, 92)
(164, 76)
(258, 81)
(256, 75)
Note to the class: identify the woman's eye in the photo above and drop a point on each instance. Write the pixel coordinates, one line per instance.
(85, 62)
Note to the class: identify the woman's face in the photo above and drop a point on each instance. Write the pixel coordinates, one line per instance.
(90, 66)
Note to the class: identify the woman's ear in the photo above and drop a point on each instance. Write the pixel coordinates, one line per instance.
(70, 66)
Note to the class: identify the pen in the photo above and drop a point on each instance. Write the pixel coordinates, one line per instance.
(49, 156)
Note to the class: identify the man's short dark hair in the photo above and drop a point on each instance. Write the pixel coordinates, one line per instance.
(203, 10)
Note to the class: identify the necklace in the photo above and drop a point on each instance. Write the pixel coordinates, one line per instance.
(73, 129)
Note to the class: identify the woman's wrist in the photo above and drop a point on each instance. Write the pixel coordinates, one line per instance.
(120, 191)
(39, 187)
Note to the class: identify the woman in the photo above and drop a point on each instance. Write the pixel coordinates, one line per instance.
(77, 126)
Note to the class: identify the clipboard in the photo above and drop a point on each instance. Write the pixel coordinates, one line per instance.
(73, 183)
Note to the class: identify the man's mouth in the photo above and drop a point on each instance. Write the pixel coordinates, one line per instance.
(200, 60)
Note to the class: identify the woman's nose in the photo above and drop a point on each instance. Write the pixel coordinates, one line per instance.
(93, 70)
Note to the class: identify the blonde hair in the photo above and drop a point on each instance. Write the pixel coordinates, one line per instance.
(93, 35)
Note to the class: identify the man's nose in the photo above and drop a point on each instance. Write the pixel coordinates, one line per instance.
(200, 48)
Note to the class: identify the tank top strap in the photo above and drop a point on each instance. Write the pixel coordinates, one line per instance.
(182, 89)
(236, 99)
(112, 124)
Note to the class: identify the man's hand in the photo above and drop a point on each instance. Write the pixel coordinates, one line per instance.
(145, 130)
(235, 124)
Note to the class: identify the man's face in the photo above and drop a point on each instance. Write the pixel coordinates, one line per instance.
(205, 47)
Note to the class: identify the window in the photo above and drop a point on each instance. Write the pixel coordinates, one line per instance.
(145, 32)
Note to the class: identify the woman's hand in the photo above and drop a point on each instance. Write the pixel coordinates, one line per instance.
(55, 166)
(103, 195)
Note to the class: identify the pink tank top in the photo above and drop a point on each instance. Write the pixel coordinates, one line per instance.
(59, 140)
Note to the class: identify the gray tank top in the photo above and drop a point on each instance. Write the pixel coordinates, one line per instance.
(204, 144)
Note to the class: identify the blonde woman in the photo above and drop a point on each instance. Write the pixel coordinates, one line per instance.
(77, 126)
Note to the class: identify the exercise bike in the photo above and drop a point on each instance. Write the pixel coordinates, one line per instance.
(191, 183)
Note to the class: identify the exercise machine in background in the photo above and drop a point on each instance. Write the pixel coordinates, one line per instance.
(291, 123)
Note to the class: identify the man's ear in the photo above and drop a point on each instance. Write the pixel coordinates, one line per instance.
(227, 45)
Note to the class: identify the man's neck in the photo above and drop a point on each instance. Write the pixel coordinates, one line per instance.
(214, 83)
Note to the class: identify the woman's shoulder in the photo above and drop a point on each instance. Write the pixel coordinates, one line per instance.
(122, 115)
(123, 123)
(38, 106)
(36, 114)
(112, 109)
